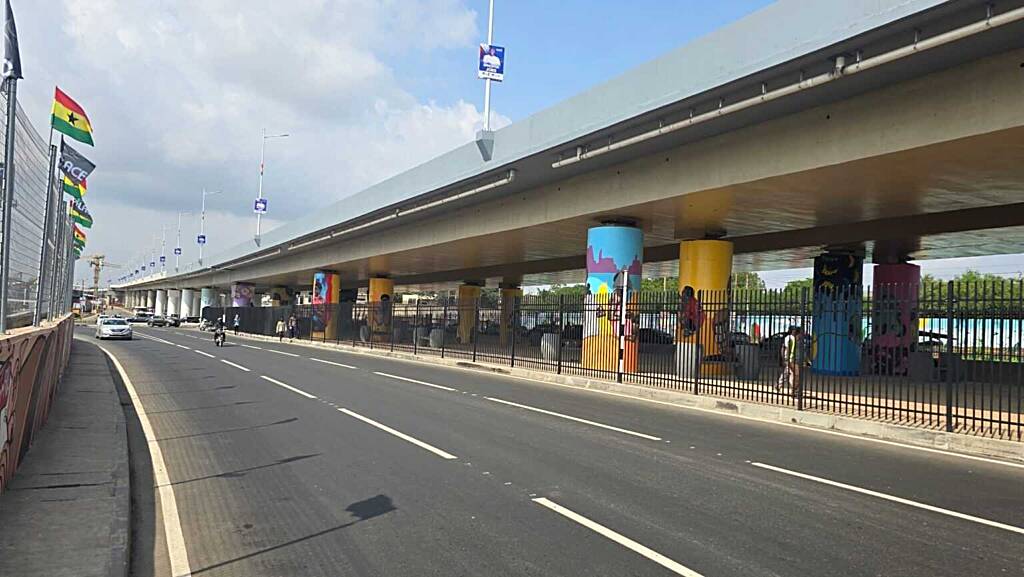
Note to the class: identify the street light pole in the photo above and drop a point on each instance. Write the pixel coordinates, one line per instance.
(259, 194)
(487, 82)
(163, 248)
(202, 223)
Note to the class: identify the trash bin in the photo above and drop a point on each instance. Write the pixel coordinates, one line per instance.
(748, 361)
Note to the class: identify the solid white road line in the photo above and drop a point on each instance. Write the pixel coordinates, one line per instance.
(577, 419)
(176, 552)
(626, 542)
(183, 347)
(400, 435)
(442, 387)
(204, 354)
(289, 387)
(333, 363)
(250, 347)
(281, 352)
(892, 498)
(240, 367)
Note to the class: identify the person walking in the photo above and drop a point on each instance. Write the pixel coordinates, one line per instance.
(236, 323)
(292, 325)
(791, 354)
(279, 329)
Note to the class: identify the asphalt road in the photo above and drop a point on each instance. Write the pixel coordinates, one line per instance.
(289, 460)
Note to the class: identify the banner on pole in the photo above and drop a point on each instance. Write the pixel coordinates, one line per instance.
(491, 62)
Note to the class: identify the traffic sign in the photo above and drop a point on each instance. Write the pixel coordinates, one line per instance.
(163, 259)
(260, 206)
(201, 239)
(177, 250)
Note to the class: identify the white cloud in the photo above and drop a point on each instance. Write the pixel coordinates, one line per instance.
(178, 90)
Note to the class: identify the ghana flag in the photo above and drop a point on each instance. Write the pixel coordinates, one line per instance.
(76, 190)
(79, 235)
(80, 214)
(70, 119)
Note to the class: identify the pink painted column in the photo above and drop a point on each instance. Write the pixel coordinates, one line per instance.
(894, 316)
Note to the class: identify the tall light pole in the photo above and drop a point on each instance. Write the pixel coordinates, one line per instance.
(163, 248)
(177, 244)
(487, 82)
(201, 239)
(259, 194)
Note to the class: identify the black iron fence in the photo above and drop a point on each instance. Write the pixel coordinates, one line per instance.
(945, 355)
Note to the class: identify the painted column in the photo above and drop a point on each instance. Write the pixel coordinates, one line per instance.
(611, 249)
(241, 294)
(161, 302)
(836, 319)
(207, 298)
(326, 289)
(509, 293)
(173, 302)
(382, 290)
(186, 303)
(469, 295)
(894, 316)
(704, 270)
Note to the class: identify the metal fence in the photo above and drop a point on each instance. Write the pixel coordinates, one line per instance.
(39, 275)
(945, 355)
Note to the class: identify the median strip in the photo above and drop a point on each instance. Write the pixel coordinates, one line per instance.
(893, 498)
(240, 367)
(287, 386)
(408, 380)
(673, 566)
(576, 419)
(400, 435)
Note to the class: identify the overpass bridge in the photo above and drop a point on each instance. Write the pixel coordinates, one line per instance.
(881, 131)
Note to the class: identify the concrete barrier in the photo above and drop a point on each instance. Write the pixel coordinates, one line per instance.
(32, 360)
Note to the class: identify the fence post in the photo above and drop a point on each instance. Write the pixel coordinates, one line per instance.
(444, 325)
(799, 390)
(561, 329)
(473, 334)
(416, 328)
(949, 357)
(513, 323)
(696, 343)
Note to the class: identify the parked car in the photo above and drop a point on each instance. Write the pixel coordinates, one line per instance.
(654, 337)
(173, 321)
(140, 317)
(111, 328)
(157, 321)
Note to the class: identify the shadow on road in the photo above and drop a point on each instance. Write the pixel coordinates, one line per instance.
(243, 472)
(236, 429)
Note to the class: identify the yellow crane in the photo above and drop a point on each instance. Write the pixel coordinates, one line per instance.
(98, 262)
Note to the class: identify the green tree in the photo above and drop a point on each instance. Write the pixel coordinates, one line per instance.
(747, 281)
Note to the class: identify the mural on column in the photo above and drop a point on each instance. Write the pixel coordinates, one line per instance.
(836, 323)
(241, 294)
(610, 251)
(326, 288)
(894, 316)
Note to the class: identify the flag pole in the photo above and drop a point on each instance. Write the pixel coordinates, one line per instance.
(8, 198)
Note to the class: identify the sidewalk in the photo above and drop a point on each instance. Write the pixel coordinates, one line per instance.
(67, 510)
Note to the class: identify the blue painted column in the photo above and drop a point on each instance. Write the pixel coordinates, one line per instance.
(836, 320)
(610, 250)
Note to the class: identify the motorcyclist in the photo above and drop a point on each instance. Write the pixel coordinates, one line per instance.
(218, 331)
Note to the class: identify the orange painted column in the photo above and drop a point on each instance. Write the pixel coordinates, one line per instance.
(382, 292)
(469, 294)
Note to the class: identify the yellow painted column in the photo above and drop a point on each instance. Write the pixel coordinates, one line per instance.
(704, 268)
(468, 296)
(326, 291)
(508, 323)
(382, 291)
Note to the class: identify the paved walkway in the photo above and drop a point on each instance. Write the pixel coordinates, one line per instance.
(66, 511)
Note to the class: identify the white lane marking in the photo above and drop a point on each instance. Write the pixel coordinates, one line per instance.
(240, 367)
(332, 363)
(892, 498)
(183, 347)
(204, 354)
(442, 387)
(757, 420)
(287, 386)
(577, 419)
(281, 352)
(619, 538)
(176, 552)
(399, 434)
(251, 347)
(152, 338)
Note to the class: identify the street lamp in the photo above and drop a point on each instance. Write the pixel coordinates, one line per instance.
(259, 194)
(201, 239)
(177, 244)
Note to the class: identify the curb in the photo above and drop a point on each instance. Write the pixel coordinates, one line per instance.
(928, 438)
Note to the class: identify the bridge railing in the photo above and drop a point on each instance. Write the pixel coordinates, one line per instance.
(942, 355)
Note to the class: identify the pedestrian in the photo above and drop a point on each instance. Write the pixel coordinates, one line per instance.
(279, 329)
(236, 323)
(292, 325)
(791, 355)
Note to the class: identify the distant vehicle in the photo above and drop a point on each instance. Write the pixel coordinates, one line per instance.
(157, 321)
(101, 318)
(111, 328)
(173, 321)
(140, 317)
(654, 337)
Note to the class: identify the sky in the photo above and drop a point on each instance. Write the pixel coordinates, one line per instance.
(178, 91)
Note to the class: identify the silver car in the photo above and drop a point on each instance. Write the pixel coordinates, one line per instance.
(112, 328)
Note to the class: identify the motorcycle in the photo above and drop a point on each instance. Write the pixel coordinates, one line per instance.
(218, 337)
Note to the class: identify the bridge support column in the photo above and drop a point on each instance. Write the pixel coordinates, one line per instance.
(510, 291)
(208, 298)
(837, 313)
(150, 299)
(326, 291)
(197, 303)
(173, 302)
(704, 270)
(612, 249)
(187, 296)
(469, 295)
(242, 294)
(894, 316)
(382, 291)
(161, 302)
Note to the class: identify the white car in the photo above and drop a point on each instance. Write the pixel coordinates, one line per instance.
(101, 318)
(111, 328)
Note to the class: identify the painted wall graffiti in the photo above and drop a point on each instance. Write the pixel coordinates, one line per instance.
(837, 313)
(611, 251)
(31, 364)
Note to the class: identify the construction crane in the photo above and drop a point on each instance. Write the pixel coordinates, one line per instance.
(98, 262)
